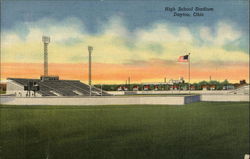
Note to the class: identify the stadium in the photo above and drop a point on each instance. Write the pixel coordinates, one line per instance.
(20, 90)
(51, 90)
(145, 118)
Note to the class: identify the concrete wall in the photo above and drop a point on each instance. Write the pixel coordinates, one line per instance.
(225, 98)
(121, 100)
(174, 92)
(16, 89)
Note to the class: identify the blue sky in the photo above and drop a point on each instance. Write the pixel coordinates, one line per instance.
(135, 27)
(135, 13)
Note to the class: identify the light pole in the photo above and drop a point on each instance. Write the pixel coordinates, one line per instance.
(101, 89)
(90, 49)
(189, 59)
(46, 41)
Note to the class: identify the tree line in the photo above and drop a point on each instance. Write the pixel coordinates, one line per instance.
(164, 86)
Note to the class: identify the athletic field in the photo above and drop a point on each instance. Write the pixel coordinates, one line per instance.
(194, 131)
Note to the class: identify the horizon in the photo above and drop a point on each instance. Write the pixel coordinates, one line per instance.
(83, 76)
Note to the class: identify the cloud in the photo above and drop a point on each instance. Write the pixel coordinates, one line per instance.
(225, 33)
(114, 43)
(161, 33)
(205, 34)
(115, 27)
(58, 30)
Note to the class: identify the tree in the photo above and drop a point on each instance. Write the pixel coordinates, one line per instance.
(225, 82)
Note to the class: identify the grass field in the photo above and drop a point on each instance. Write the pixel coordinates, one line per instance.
(195, 131)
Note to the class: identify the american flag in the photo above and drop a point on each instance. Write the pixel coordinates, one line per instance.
(183, 58)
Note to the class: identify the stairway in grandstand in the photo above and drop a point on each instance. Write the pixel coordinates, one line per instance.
(241, 90)
(62, 87)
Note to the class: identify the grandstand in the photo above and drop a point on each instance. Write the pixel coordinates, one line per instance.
(53, 87)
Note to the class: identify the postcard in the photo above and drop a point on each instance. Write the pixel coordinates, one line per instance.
(116, 79)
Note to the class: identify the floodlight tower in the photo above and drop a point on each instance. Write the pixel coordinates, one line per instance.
(90, 49)
(46, 41)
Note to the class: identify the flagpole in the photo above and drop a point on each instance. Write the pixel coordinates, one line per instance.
(189, 72)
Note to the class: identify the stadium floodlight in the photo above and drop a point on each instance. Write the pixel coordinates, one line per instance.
(46, 41)
(90, 48)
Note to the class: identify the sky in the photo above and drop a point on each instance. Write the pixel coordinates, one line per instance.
(137, 39)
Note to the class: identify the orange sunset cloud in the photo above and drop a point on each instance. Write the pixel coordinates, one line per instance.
(153, 71)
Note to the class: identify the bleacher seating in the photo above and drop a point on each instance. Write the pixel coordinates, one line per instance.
(61, 87)
(244, 89)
